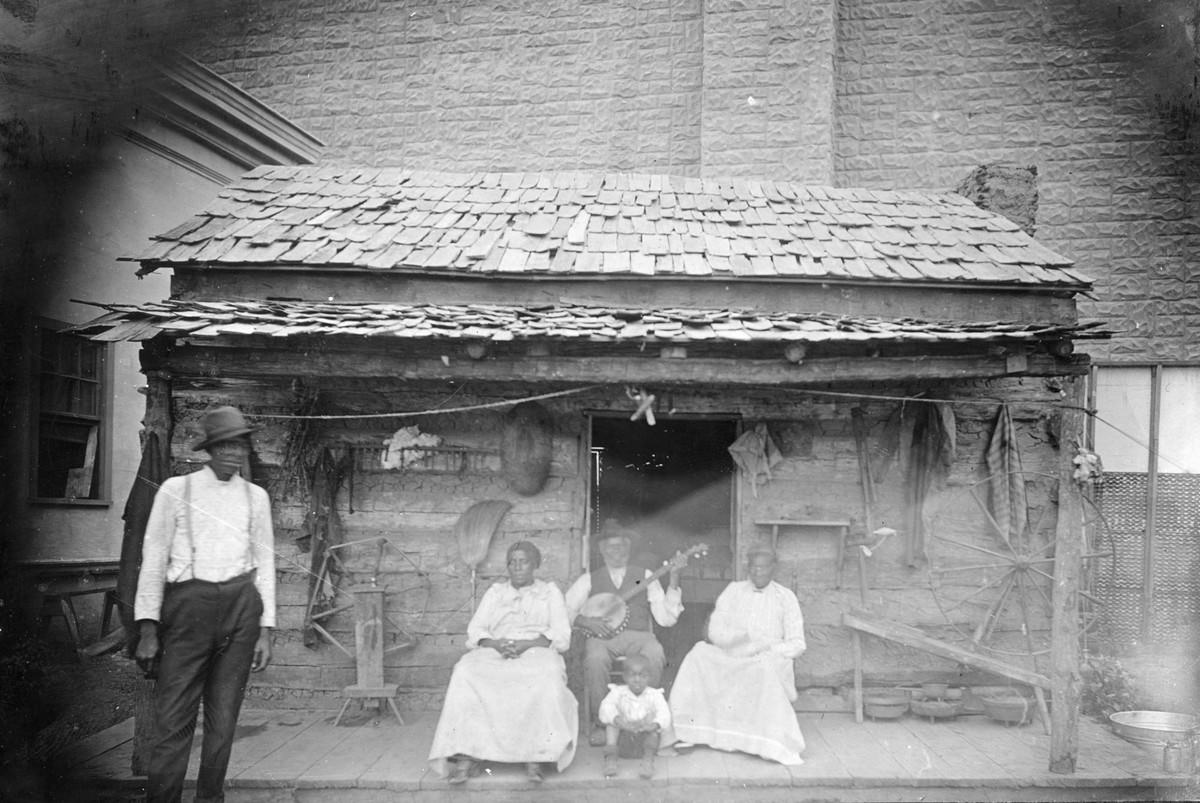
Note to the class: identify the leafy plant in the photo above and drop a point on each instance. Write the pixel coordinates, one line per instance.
(1107, 687)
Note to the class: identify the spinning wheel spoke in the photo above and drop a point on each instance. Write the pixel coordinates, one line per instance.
(1013, 597)
(989, 621)
(975, 547)
(976, 567)
(991, 584)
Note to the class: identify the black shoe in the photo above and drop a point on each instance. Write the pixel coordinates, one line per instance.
(460, 771)
(533, 772)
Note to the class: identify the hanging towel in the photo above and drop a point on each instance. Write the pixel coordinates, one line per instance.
(1006, 487)
(933, 445)
(755, 453)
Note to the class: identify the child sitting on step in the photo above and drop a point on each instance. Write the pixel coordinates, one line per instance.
(634, 716)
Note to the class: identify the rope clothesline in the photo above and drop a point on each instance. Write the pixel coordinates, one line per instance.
(802, 391)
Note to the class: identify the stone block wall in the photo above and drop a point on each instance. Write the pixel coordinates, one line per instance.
(1096, 96)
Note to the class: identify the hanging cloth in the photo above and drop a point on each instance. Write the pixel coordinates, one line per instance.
(1006, 488)
(932, 452)
(755, 453)
(152, 471)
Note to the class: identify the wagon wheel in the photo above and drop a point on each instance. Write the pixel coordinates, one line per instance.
(995, 592)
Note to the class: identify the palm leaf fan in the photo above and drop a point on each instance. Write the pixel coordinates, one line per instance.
(474, 531)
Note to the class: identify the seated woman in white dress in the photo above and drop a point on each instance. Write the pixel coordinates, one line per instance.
(735, 692)
(508, 699)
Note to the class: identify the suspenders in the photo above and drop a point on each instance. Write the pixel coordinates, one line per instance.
(187, 518)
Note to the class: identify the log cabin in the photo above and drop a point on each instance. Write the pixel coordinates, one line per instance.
(882, 384)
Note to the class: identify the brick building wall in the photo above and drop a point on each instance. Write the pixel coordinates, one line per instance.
(871, 93)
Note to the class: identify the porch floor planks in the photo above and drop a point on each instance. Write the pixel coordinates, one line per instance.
(293, 757)
(865, 757)
(896, 740)
(403, 762)
(958, 755)
(1022, 750)
(355, 752)
(822, 762)
(261, 735)
(1101, 752)
(973, 758)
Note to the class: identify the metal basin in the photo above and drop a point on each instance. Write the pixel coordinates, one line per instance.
(885, 705)
(1154, 727)
(935, 709)
(1011, 709)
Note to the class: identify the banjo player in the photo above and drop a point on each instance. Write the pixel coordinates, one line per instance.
(635, 633)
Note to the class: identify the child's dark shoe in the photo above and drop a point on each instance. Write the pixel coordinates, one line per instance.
(646, 770)
(610, 765)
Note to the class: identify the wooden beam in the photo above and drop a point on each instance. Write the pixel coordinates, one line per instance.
(255, 362)
(912, 637)
(1065, 632)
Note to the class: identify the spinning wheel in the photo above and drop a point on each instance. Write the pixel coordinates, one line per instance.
(338, 579)
(996, 592)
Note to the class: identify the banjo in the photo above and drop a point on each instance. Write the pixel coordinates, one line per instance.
(612, 608)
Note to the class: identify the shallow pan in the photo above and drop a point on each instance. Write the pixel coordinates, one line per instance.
(1154, 727)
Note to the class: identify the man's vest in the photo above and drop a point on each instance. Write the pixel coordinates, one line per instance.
(639, 606)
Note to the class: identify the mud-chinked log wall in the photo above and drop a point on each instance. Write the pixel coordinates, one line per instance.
(416, 507)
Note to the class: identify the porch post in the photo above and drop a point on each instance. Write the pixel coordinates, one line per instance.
(157, 427)
(1065, 679)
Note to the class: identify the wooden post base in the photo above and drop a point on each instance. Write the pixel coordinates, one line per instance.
(386, 693)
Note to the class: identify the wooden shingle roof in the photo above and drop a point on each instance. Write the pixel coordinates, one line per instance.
(562, 322)
(569, 225)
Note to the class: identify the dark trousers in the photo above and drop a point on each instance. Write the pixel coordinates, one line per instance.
(208, 632)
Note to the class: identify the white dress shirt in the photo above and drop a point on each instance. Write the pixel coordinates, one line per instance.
(230, 534)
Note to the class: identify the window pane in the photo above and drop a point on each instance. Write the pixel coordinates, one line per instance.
(89, 367)
(1123, 418)
(1178, 445)
(70, 402)
(64, 467)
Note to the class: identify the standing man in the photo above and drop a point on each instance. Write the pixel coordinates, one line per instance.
(205, 607)
(643, 600)
(735, 691)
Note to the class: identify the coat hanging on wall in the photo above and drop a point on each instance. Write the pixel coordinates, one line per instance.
(1006, 484)
(933, 446)
(526, 447)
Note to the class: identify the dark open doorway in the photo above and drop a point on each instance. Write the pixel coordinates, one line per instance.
(673, 483)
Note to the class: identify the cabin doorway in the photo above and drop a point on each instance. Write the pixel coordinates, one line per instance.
(674, 484)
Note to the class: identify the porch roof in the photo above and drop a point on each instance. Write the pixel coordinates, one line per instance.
(578, 225)
(493, 322)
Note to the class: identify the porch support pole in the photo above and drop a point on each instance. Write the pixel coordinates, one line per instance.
(159, 422)
(1065, 681)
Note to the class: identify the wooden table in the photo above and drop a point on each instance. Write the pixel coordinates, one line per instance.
(58, 583)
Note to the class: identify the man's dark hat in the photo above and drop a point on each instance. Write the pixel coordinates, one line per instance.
(612, 528)
(223, 424)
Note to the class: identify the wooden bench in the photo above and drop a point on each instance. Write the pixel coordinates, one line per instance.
(862, 622)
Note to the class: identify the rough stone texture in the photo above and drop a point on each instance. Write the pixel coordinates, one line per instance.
(1009, 191)
(861, 93)
(1090, 94)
